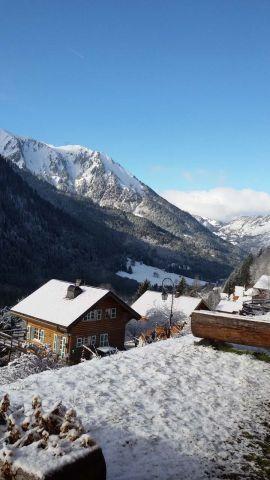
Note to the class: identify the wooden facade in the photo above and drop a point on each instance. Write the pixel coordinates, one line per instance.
(101, 325)
(230, 328)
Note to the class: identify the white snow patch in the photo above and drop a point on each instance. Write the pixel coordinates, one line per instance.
(155, 275)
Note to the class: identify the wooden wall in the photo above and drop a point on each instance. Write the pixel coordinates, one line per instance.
(230, 328)
(115, 327)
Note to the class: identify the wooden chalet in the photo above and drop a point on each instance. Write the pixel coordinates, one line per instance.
(66, 317)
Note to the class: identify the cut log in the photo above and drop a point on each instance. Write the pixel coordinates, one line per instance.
(230, 328)
(90, 464)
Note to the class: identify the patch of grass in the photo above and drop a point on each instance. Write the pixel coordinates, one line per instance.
(224, 347)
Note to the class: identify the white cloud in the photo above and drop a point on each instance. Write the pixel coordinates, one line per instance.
(221, 203)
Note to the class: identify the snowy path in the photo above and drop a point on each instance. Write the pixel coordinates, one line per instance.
(168, 411)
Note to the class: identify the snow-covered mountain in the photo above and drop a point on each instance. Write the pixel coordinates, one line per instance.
(211, 224)
(76, 169)
(139, 211)
(79, 170)
(249, 233)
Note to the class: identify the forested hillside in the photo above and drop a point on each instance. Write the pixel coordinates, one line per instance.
(252, 268)
(38, 241)
(91, 183)
(46, 233)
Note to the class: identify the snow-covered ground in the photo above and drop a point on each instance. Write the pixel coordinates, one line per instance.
(140, 272)
(25, 365)
(169, 411)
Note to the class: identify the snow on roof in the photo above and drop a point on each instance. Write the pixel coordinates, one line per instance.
(49, 302)
(239, 291)
(229, 306)
(168, 407)
(150, 300)
(263, 283)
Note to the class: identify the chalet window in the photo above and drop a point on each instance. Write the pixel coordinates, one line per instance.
(98, 314)
(36, 333)
(41, 336)
(92, 340)
(94, 315)
(85, 340)
(113, 312)
(104, 340)
(32, 332)
(63, 347)
(28, 335)
(110, 312)
(55, 343)
(79, 342)
(90, 316)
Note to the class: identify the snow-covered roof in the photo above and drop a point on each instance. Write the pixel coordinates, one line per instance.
(263, 283)
(239, 291)
(49, 303)
(150, 300)
(229, 306)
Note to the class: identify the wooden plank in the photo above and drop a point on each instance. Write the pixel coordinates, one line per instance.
(230, 328)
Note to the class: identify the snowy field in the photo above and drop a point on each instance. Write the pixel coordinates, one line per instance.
(168, 411)
(140, 272)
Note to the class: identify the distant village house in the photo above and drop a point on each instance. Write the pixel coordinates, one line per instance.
(183, 306)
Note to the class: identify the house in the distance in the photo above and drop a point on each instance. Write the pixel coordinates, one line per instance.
(261, 289)
(229, 306)
(65, 317)
(150, 304)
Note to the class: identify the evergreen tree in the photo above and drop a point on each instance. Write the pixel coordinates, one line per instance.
(241, 276)
(181, 287)
(143, 287)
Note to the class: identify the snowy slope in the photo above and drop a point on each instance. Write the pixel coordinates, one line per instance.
(170, 410)
(250, 233)
(154, 275)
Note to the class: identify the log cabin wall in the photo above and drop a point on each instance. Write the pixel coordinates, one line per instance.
(49, 330)
(114, 327)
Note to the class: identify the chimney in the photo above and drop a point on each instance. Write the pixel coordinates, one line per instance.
(78, 282)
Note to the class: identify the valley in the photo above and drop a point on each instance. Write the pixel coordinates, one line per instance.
(104, 216)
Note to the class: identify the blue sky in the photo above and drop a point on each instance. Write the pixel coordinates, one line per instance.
(177, 91)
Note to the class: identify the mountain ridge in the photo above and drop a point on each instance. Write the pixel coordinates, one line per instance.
(248, 232)
(123, 202)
